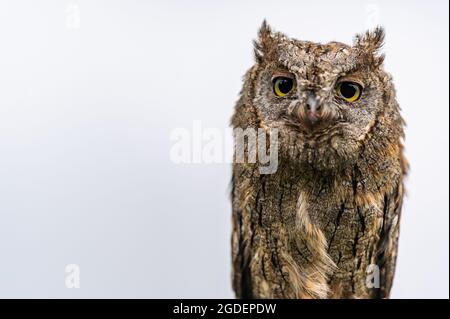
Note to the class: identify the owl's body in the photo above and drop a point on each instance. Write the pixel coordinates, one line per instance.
(327, 221)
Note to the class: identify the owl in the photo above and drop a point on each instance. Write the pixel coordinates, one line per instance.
(325, 223)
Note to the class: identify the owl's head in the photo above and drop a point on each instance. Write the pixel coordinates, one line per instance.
(325, 99)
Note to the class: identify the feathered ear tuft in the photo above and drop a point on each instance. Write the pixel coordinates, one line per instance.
(370, 43)
(371, 40)
(264, 41)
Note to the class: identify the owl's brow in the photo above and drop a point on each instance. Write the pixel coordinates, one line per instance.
(353, 76)
(351, 71)
(278, 73)
(360, 61)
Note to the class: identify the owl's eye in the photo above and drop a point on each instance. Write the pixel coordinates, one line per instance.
(349, 91)
(283, 85)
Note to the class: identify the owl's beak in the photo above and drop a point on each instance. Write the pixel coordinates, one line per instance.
(311, 112)
(312, 109)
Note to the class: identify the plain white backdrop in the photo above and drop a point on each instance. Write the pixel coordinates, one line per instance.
(89, 94)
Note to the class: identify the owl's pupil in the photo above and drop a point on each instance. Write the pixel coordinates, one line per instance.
(348, 90)
(285, 85)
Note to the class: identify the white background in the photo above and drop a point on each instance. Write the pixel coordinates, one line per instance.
(86, 111)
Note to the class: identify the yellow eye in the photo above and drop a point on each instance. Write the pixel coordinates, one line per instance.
(282, 85)
(349, 91)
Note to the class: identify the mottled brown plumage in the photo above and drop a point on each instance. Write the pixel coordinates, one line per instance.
(332, 208)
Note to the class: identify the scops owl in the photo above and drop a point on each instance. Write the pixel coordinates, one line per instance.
(325, 223)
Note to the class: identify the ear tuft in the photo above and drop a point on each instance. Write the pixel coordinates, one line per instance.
(371, 40)
(370, 43)
(264, 41)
